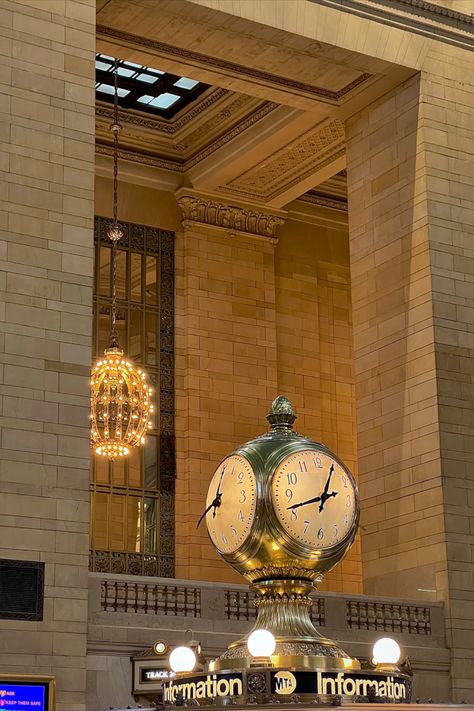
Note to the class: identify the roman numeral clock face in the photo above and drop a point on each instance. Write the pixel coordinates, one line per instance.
(231, 503)
(314, 499)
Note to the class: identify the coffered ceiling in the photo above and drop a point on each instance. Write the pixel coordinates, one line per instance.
(270, 126)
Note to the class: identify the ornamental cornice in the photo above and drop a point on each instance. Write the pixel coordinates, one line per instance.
(142, 158)
(419, 16)
(155, 123)
(147, 157)
(232, 67)
(314, 198)
(438, 10)
(299, 159)
(234, 219)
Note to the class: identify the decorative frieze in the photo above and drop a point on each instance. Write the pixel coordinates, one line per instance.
(231, 218)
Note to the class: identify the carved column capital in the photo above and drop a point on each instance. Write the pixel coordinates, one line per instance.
(233, 219)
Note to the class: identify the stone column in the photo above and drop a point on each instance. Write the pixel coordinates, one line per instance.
(411, 219)
(46, 189)
(226, 362)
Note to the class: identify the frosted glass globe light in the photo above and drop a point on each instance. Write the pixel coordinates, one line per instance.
(261, 643)
(386, 651)
(182, 659)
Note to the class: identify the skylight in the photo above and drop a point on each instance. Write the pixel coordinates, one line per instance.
(145, 88)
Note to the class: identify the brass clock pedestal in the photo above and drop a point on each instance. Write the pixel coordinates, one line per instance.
(283, 608)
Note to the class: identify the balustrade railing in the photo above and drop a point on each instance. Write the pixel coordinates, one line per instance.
(118, 596)
(390, 617)
(236, 604)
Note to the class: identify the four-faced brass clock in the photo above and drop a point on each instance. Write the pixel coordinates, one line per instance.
(282, 505)
(283, 510)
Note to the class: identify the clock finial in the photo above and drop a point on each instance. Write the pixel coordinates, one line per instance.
(281, 415)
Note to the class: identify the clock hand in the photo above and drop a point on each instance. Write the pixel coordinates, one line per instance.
(218, 497)
(205, 512)
(325, 496)
(303, 503)
(326, 486)
(323, 500)
(216, 502)
(218, 492)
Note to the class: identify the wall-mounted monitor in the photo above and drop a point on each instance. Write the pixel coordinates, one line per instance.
(26, 692)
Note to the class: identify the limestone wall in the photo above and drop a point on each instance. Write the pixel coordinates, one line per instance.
(410, 182)
(46, 211)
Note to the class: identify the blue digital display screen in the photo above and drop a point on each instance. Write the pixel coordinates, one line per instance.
(23, 696)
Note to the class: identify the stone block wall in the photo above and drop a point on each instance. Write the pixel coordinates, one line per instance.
(314, 345)
(46, 210)
(411, 202)
(226, 370)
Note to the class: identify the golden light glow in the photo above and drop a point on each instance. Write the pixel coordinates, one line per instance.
(120, 405)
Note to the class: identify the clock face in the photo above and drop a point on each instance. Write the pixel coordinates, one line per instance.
(314, 499)
(229, 523)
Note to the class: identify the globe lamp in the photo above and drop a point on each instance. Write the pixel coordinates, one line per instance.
(182, 659)
(261, 643)
(386, 652)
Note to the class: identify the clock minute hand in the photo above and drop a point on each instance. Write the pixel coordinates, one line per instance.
(218, 492)
(205, 512)
(326, 487)
(303, 503)
(325, 496)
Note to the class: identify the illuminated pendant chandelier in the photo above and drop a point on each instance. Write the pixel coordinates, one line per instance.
(120, 392)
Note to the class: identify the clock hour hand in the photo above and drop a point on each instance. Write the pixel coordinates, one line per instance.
(304, 503)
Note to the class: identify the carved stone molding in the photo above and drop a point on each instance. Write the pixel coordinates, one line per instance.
(141, 158)
(196, 145)
(231, 218)
(222, 64)
(315, 198)
(425, 18)
(155, 123)
(291, 164)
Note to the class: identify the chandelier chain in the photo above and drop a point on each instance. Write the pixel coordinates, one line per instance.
(116, 232)
(116, 129)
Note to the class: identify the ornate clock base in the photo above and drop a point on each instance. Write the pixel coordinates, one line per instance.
(260, 685)
(283, 608)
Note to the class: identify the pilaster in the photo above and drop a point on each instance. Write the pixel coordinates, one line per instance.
(226, 356)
